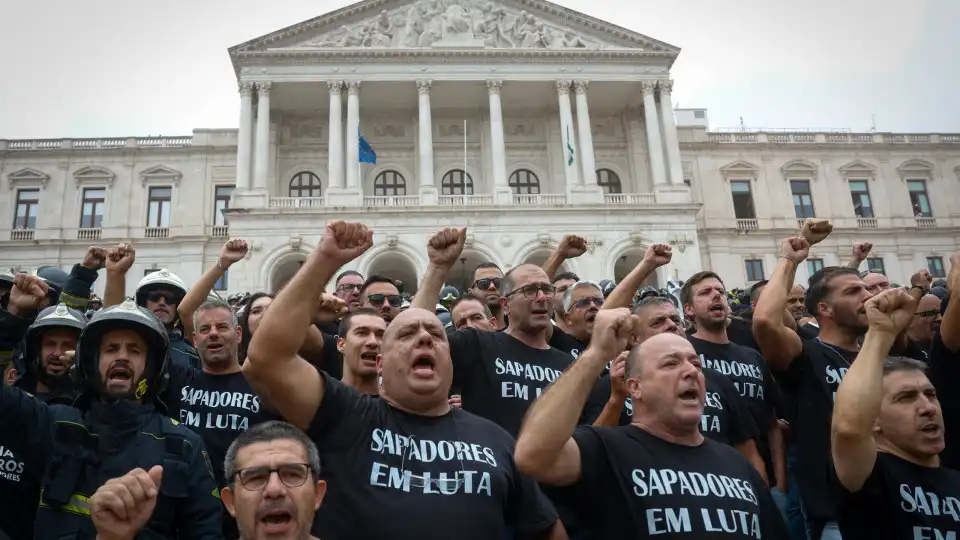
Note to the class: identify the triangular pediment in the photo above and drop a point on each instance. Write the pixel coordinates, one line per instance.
(160, 173)
(858, 166)
(94, 174)
(449, 24)
(740, 168)
(27, 177)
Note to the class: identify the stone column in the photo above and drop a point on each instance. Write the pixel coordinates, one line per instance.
(244, 137)
(654, 146)
(352, 140)
(588, 161)
(262, 159)
(674, 166)
(567, 139)
(428, 188)
(335, 144)
(501, 190)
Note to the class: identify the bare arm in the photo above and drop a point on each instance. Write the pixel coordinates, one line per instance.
(444, 249)
(748, 449)
(656, 256)
(778, 454)
(950, 326)
(861, 250)
(119, 261)
(610, 415)
(778, 343)
(233, 250)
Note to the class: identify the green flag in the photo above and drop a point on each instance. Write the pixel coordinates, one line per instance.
(569, 148)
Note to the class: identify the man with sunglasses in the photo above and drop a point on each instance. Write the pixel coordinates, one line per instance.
(161, 292)
(925, 324)
(562, 282)
(581, 302)
(381, 293)
(487, 280)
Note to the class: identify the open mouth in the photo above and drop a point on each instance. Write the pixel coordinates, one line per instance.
(214, 347)
(423, 366)
(718, 308)
(691, 395)
(120, 373)
(56, 367)
(369, 356)
(539, 312)
(591, 315)
(276, 520)
(931, 429)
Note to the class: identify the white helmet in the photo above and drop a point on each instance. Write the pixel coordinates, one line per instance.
(162, 278)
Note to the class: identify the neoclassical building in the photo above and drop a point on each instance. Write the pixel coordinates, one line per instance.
(520, 119)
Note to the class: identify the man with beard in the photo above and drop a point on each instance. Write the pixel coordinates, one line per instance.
(887, 435)
(810, 371)
(386, 457)
(361, 333)
(487, 283)
(381, 294)
(649, 478)
(122, 360)
(925, 324)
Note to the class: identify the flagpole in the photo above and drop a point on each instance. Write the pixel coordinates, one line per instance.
(464, 150)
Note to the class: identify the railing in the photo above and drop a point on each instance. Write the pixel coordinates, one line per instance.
(866, 223)
(465, 200)
(21, 234)
(926, 222)
(540, 199)
(827, 137)
(156, 232)
(89, 234)
(296, 202)
(220, 231)
(392, 201)
(747, 225)
(629, 198)
(33, 145)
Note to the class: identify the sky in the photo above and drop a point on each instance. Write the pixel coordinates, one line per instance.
(99, 68)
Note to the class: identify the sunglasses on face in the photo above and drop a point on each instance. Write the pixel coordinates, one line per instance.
(587, 302)
(377, 299)
(531, 291)
(292, 475)
(349, 287)
(168, 297)
(484, 284)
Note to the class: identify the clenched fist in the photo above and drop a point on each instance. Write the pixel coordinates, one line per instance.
(618, 385)
(29, 294)
(658, 254)
(120, 258)
(816, 230)
(330, 309)
(611, 331)
(95, 258)
(344, 241)
(572, 246)
(861, 250)
(922, 279)
(234, 250)
(890, 311)
(444, 247)
(795, 248)
(123, 506)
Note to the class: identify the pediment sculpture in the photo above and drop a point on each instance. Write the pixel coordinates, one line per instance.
(453, 23)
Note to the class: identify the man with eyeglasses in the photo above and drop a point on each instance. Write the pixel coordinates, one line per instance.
(405, 463)
(925, 323)
(347, 288)
(381, 293)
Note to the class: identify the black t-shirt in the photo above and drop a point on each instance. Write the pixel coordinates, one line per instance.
(499, 376)
(808, 331)
(740, 331)
(218, 408)
(944, 372)
(812, 381)
(901, 500)
(746, 368)
(393, 474)
(563, 341)
(636, 485)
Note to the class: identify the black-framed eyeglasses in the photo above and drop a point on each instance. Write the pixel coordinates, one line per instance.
(532, 290)
(168, 297)
(484, 284)
(587, 302)
(349, 287)
(292, 475)
(395, 300)
(928, 313)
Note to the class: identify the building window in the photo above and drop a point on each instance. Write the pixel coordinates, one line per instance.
(149, 271)
(305, 184)
(742, 200)
(28, 200)
(221, 201)
(862, 206)
(754, 269)
(918, 198)
(524, 182)
(814, 266)
(91, 216)
(221, 284)
(875, 265)
(158, 210)
(802, 201)
(389, 183)
(935, 266)
(609, 181)
(456, 182)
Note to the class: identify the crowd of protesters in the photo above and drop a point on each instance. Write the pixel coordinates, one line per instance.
(533, 404)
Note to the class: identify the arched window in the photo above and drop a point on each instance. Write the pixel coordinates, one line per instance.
(305, 184)
(389, 183)
(456, 182)
(609, 181)
(524, 182)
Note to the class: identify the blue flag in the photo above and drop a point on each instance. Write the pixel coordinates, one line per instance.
(367, 154)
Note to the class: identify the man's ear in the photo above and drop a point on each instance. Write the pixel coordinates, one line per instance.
(340, 344)
(321, 492)
(226, 495)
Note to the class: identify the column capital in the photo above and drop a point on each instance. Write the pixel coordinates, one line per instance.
(647, 87)
(263, 88)
(580, 87)
(423, 86)
(494, 86)
(665, 85)
(245, 89)
(335, 87)
(353, 87)
(563, 86)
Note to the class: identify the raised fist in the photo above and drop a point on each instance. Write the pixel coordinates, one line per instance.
(861, 250)
(120, 258)
(816, 230)
(658, 254)
(612, 330)
(922, 279)
(444, 247)
(233, 251)
(890, 311)
(344, 241)
(330, 309)
(456, 401)
(795, 248)
(95, 258)
(572, 246)
(28, 294)
(123, 506)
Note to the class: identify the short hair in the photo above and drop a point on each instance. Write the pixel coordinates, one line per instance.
(757, 289)
(376, 278)
(486, 264)
(820, 286)
(346, 273)
(270, 431)
(215, 303)
(893, 364)
(347, 321)
(565, 276)
(686, 292)
(648, 302)
(458, 301)
(568, 295)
